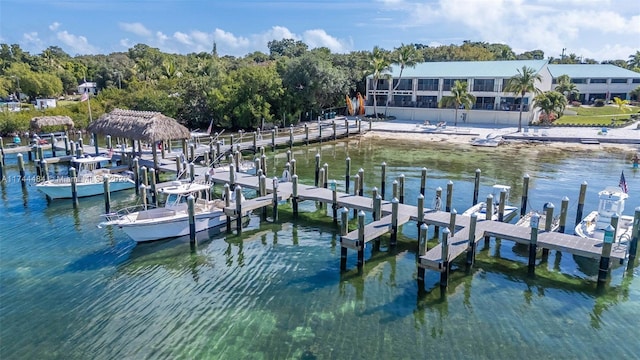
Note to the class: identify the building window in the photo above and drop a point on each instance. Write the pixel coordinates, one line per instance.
(448, 83)
(405, 84)
(635, 81)
(483, 85)
(618, 81)
(484, 103)
(429, 102)
(553, 81)
(402, 101)
(579, 81)
(598, 81)
(428, 84)
(513, 104)
(621, 96)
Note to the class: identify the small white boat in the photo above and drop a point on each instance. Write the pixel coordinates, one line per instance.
(146, 223)
(525, 221)
(481, 207)
(89, 180)
(611, 201)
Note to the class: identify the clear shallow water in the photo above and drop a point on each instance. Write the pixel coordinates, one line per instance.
(69, 290)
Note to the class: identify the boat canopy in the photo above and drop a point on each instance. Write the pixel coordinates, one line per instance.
(184, 188)
(90, 159)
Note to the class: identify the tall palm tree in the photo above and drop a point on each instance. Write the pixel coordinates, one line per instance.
(404, 56)
(379, 66)
(522, 83)
(634, 60)
(566, 87)
(459, 97)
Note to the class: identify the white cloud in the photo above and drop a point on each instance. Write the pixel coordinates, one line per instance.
(135, 28)
(182, 38)
(32, 39)
(161, 37)
(126, 43)
(54, 26)
(319, 38)
(77, 43)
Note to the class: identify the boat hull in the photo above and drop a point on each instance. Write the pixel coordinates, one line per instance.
(587, 228)
(63, 190)
(178, 225)
(481, 210)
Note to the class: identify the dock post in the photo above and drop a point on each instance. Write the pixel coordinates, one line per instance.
(263, 164)
(306, 134)
(108, 141)
(227, 203)
(449, 199)
(378, 199)
(273, 140)
(136, 174)
(325, 179)
(471, 251)
(44, 172)
(275, 199)
(344, 230)
(533, 243)
(334, 206)
(563, 214)
(394, 189)
(401, 188)
(30, 153)
(603, 269)
(66, 144)
(347, 175)
(452, 222)
(294, 195)
(547, 225)
(236, 159)
(74, 186)
(263, 192)
(72, 148)
(633, 245)
(420, 212)
(294, 168)
(1, 169)
(231, 142)
(256, 165)
(232, 176)
(80, 143)
(346, 125)
(178, 166)
(238, 191)
(614, 223)
(21, 169)
(436, 228)
(107, 195)
(317, 169)
(422, 250)
(383, 176)
(361, 182)
(143, 192)
(192, 171)
(359, 125)
(583, 194)
(444, 274)
(320, 132)
(289, 156)
(192, 218)
(154, 189)
(255, 142)
(394, 222)
(489, 216)
(423, 181)
(501, 204)
(144, 176)
(290, 136)
(376, 204)
(95, 143)
(476, 186)
(218, 149)
(525, 195)
(52, 140)
(333, 126)
(321, 182)
(361, 240)
(40, 151)
(192, 153)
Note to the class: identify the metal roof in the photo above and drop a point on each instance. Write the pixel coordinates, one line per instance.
(591, 71)
(468, 69)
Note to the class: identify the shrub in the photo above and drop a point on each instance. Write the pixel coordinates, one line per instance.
(599, 103)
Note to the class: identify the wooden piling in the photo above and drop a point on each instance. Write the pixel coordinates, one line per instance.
(423, 181)
(347, 175)
(136, 174)
(377, 204)
(227, 203)
(294, 167)
(344, 230)
(422, 249)
(361, 182)
(21, 170)
(273, 140)
(452, 221)
(294, 194)
(471, 251)
(394, 189)
(191, 208)
(361, 245)
(66, 144)
(306, 134)
(525, 195)
(238, 195)
(325, 178)
(420, 210)
(232, 176)
(74, 186)
(488, 215)
(564, 206)
(334, 198)
(154, 188)
(263, 164)
(501, 204)
(581, 197)
(533, 243)
(275, 199)
(383, 176)
(107, 194)
(44, 172)
(95, 144)
(548, 224)
(52, 140)
(603, 269)
(401, 180)
(449, 200)
(291, 137)
(144, 176)
(436, 229)
(633, 244)
(72, 148)
(262, 186)
(394, 222)
(444, 246)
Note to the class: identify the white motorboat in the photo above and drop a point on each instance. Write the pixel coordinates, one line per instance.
(525, 221)
(89, 182)
(611, 201)
(146, 223)
(481, 207)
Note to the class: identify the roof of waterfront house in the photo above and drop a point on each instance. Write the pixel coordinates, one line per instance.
(576, 71)
(467, 69)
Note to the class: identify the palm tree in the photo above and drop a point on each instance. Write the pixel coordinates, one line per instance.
(550, 102)
(566, 87)
(404, 56)
(634, 60)
(522, 83)
(379, 66)
(459, 97)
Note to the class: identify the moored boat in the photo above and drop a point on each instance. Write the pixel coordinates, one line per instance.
(481, 207)
(525, 220)
(611, 201)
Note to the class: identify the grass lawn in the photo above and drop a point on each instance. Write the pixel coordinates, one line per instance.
(600, 116)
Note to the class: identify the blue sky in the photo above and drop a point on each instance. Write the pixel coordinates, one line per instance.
(597, 29)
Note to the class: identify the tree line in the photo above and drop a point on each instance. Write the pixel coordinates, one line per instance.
(289, 84)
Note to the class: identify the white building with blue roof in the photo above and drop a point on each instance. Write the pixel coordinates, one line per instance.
(420, 89)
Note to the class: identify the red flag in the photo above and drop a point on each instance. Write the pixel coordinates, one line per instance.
(623, 183)
(84, 97)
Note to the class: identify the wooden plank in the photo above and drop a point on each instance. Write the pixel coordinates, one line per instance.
(372, 231)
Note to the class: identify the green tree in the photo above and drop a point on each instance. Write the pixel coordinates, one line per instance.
(522, 83)
(635, 93)
(286, 47)
(404, 56)
(567, 87)
(634, 60)
(378, 68)
(459, 97)
(550, 102)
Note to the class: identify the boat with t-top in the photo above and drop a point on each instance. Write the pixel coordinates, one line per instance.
(481, 207)
(148, 223)
(610, 201)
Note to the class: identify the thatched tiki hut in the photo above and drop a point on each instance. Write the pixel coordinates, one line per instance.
(37, 123)
(140, 126)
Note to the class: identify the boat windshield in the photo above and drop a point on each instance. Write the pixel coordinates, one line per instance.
(178, 199)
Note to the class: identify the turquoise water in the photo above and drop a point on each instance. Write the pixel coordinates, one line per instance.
(69, 290)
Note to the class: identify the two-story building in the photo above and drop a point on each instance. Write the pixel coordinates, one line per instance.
(420, 89)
